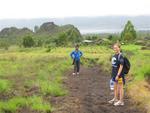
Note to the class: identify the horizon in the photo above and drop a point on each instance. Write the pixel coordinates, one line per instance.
(86, 24)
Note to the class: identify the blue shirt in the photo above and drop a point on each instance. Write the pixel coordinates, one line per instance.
(76, 55)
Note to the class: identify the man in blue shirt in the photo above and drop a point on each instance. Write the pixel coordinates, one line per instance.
(75, 55)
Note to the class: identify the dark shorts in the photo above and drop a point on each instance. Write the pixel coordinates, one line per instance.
(123, 79)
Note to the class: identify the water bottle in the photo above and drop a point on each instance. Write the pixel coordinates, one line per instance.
(111, 84)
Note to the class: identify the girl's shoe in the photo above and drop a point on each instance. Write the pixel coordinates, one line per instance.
(113, 101)
(73, 73)
(119, 103)
(77, 73)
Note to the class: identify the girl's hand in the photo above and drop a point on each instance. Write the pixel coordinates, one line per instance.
(116, 78)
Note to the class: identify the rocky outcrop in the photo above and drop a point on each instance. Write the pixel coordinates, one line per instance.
(14, 32)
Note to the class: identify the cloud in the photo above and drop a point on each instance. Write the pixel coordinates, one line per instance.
(67, 8)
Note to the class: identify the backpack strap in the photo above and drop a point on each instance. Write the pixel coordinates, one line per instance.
(119, 55)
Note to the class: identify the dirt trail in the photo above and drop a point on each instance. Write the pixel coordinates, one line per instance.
(89, 93)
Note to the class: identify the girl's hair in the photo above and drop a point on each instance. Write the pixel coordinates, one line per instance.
(117, 44)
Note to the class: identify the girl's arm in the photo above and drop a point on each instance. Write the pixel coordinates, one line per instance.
(119, 71)
(121, 61)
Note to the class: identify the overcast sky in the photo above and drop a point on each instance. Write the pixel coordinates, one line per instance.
(68, 8)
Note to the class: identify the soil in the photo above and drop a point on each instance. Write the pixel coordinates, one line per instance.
(89, 93)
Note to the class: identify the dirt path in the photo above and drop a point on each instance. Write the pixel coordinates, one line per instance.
(89, 93)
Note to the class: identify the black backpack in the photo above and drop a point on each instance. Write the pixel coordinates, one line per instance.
(126, 66)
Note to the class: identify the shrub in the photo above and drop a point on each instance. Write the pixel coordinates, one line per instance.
(28, 41)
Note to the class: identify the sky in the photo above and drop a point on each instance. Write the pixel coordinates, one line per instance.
(27, 9)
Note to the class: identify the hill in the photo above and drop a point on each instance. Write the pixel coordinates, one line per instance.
(47, 33)
(99, 24)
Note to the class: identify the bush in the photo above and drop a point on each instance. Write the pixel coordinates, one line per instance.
(39, 43)
(28, 41)
(4, 45)
(50, 47)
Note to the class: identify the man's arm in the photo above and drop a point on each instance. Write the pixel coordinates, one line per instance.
(81, 54)
(71, 54)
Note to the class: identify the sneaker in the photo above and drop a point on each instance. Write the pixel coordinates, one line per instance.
(73, 73)
(77, 73)
(119, 103)
(113, 101)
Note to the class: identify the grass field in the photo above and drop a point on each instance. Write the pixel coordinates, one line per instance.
(139, 87)
(30, 77)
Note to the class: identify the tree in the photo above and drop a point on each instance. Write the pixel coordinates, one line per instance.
(39, 43)
(129, 32)
(28, 41)
(61, 40)
(74, 36)
(110, 37)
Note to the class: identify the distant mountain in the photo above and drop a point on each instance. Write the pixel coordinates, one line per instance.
(51, 31)
(48, 27)
(14, 32)
(47, 32)
(84, 24)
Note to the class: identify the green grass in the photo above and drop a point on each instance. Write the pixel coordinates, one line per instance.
(131, 47)
(34, 103)
(140, 73)
(140, 63)
(52, 88)
(37, 103)
(4, 86)
(13, 104)
(24, 69)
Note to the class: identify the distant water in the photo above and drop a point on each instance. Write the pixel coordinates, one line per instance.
(96, 31)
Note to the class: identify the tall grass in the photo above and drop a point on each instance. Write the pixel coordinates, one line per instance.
(34, 103)
(140, 73)
(22, 70)
(4, 86)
